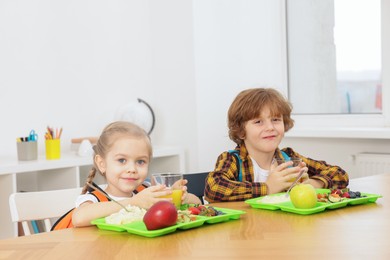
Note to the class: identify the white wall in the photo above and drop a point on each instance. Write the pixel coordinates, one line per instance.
(73, 63)
(238, 44)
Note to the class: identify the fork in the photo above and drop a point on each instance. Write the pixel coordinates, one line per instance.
(295, 182)
(106, 195)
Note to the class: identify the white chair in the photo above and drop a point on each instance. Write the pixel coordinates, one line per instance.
(41, 205)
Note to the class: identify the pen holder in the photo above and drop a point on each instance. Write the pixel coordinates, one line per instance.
(53, 149)
(27, 151)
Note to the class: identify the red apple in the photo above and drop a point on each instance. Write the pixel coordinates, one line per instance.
(160, 215)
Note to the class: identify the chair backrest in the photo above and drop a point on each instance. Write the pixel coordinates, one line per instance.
(196, 184)
(28, 207)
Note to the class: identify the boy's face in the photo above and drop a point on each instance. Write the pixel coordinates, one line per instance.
(125, 165)
(264, 134)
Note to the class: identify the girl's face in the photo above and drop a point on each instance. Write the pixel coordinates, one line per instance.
(264, 134)
(125, 165)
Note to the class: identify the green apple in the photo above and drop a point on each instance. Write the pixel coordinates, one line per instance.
(303, 196)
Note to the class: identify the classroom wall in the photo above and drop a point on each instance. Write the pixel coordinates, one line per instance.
(238, 45)
(73, 63)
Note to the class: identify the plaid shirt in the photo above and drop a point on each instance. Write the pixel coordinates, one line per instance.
(222, 184)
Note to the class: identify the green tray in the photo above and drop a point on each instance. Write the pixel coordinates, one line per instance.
(139, 228)
(320, 206)
(230, 214)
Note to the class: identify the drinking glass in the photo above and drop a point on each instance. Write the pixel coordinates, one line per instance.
(172, 181)
(296, 162)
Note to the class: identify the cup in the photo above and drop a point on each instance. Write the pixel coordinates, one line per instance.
(171, 181)
(296, 162)
(27, 151)
(53, 149)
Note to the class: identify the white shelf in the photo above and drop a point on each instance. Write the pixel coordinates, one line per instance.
(67, 160)
(68, 172)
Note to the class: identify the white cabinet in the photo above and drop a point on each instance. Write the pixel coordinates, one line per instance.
(68, 172)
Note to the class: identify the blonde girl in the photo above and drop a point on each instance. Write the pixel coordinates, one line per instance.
(122, 156)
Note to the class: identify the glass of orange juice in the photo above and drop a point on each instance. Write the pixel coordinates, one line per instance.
(172, 181)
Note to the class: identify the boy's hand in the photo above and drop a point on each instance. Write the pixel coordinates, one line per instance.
(280, 176)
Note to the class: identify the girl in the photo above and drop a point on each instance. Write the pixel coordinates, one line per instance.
(257, 121)
(122, 155)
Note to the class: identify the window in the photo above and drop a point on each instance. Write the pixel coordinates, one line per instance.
(334, 59)
(358, 55)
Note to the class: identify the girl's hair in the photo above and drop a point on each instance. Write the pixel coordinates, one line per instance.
(249, 104)
(108, 137)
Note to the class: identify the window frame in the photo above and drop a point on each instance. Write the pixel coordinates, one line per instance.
(365, 124)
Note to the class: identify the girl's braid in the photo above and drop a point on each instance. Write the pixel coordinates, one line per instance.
(90, 177)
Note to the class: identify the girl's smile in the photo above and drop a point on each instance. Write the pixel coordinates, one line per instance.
(129, 179)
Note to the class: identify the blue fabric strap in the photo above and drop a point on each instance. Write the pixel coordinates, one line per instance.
(285, 156)
(235, 154)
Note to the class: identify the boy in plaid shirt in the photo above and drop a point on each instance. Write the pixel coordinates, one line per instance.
(257, 121)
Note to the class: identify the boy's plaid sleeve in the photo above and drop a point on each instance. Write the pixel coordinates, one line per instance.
(222, 184)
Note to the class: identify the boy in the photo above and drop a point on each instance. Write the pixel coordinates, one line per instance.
(257, 121)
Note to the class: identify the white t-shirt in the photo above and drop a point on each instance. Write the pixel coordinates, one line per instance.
(260, 174)
(89, 197)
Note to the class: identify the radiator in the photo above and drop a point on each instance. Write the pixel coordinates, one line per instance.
(368, 164)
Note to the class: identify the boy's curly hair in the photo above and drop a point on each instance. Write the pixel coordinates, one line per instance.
(248, 105)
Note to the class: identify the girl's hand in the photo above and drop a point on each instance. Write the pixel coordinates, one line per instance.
(280, 176)
(185, 193)
(187, 198)
(181, 184)
(149, 196)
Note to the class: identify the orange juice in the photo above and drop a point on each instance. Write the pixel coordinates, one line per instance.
(176, 197)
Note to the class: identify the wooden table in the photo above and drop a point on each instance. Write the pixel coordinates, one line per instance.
(353, 232)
